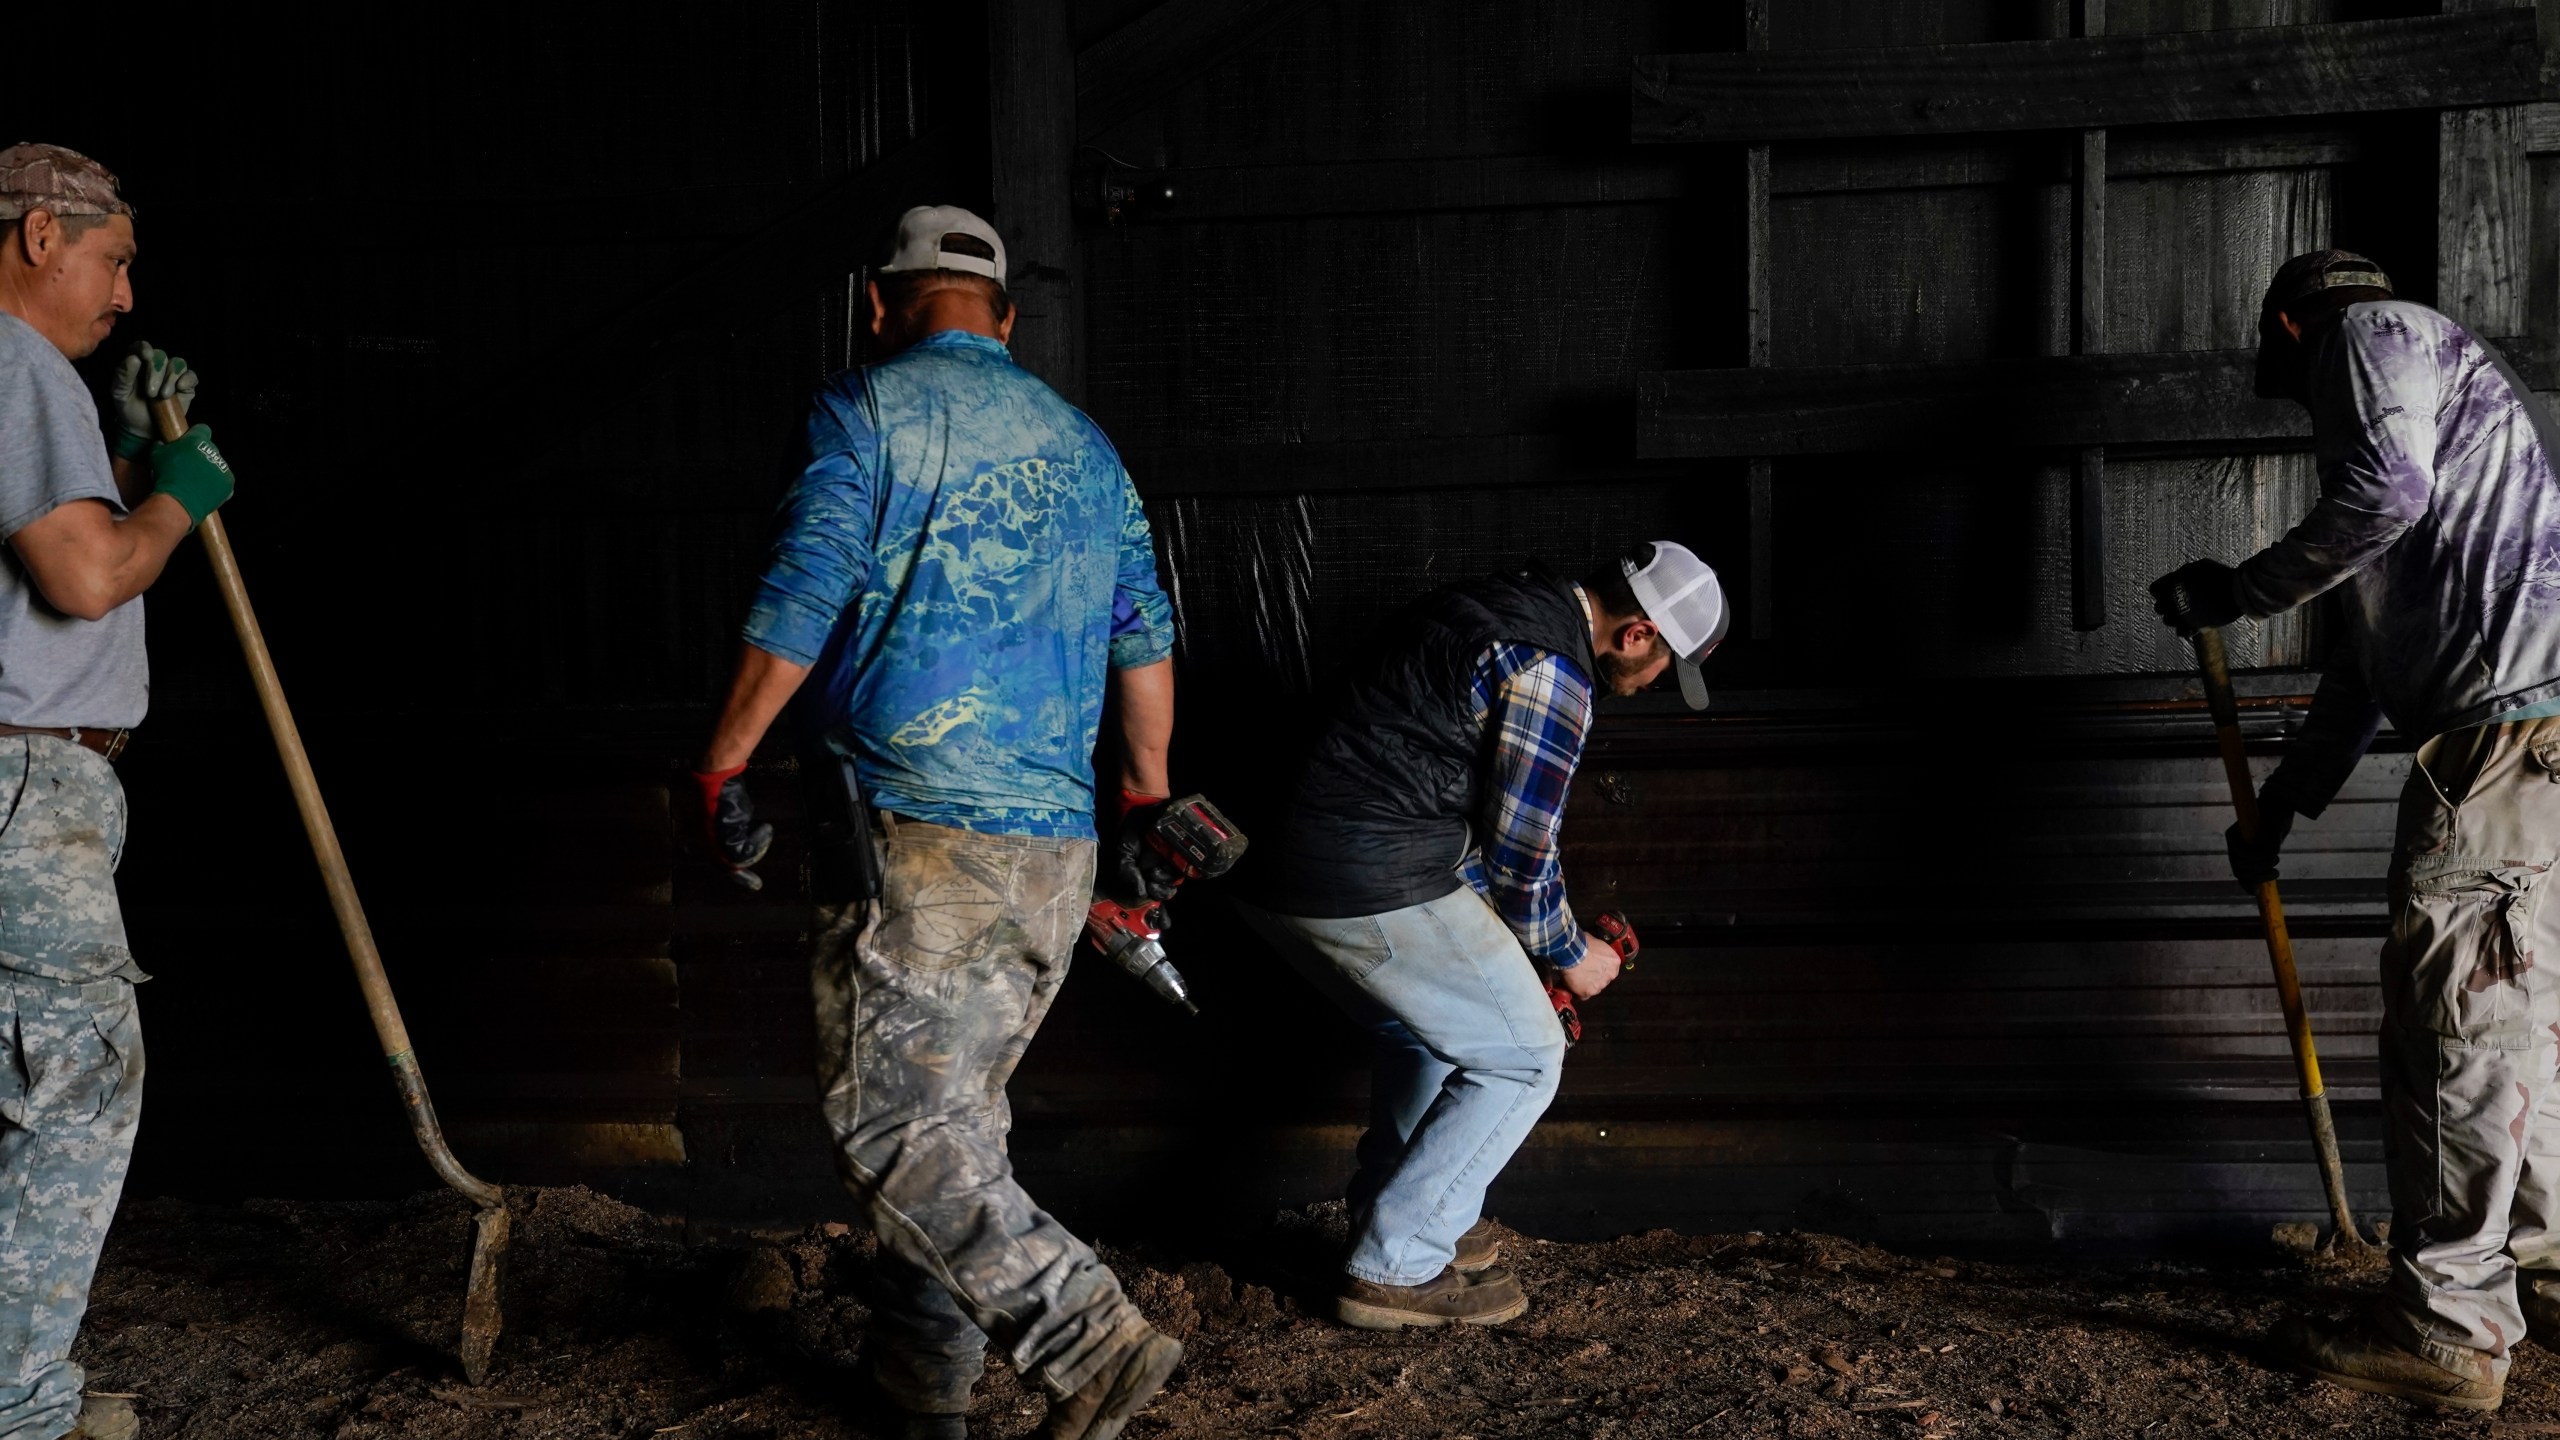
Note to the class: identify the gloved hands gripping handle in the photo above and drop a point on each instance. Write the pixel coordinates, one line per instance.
(146, 373)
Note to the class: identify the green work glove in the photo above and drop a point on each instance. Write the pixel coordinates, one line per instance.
(190, 471)
(145, 374)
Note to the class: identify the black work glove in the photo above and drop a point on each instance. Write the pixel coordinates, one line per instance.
(2253, 862)
(731, 833)
(2198, 595)
(1137, 871)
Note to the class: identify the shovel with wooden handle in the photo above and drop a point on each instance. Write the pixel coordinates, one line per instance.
(481, 1319)
(2218, 698)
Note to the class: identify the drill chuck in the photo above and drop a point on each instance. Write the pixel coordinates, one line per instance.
(1145, 959)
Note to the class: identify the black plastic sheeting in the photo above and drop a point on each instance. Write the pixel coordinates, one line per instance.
(1275, 591)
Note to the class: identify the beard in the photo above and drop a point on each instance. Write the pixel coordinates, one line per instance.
(2281, 373)
(1623, 675)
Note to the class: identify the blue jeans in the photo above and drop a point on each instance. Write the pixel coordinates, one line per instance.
(1468, 1053)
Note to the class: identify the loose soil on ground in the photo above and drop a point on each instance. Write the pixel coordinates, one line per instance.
(274, 1321)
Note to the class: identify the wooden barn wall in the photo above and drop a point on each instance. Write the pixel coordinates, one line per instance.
(1940, 944)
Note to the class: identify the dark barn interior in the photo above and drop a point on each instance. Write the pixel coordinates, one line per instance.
(1927, 322)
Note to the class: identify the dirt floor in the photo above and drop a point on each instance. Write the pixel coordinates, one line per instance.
(269, 1321)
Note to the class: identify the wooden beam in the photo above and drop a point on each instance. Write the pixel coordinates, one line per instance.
(2426, 63)
(2484, 213)
(1371, 187)
(2089, 337)
(2542, 128)
(1434, 184)
(1131, 68)
(2066, 402)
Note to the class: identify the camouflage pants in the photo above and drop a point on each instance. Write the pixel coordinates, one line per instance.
(2470, 1037)
(70, 1065)
(926, 1001)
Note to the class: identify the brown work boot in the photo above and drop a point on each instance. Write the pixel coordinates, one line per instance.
(1103, 1407)
(2359, 1357)
(105, 1417)
(1479, 1250)
(1448, 1298)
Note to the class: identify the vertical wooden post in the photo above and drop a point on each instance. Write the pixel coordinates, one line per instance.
(2089, 337)
(1762, 497)
(1031, 133)
(2484, 211)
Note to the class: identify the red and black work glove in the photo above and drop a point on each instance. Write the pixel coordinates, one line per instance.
(1139, 871)
(731, 834)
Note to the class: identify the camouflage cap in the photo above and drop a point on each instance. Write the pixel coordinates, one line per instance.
(2304, 276)
(48, 177)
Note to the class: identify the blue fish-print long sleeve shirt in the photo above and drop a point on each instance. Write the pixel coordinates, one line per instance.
(962, 561)
(2438, 523)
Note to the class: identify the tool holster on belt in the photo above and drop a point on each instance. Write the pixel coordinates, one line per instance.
(844, 857)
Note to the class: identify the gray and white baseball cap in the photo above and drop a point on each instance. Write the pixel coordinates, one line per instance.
(1681, 596)
(946, 237)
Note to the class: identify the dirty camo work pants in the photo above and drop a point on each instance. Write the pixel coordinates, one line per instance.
(70, 1064)
(2470, 1035)
(926, 1001)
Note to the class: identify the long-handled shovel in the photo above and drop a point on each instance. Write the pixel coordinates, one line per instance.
(480, 1314)
(2297, 1023)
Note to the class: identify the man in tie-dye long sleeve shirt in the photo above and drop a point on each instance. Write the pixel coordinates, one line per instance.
(2438, 525)
(963, 571)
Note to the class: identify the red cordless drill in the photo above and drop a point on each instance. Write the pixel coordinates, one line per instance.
(1189, 840)
(1613, 928)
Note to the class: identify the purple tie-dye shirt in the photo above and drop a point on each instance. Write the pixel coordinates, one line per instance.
(2438, 523)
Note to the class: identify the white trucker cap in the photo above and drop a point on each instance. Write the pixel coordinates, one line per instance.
(946, 237)
(1681, 596)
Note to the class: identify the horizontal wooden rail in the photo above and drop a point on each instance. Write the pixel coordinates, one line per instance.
(2428, 63)
(1429, 184)
(2180, 397)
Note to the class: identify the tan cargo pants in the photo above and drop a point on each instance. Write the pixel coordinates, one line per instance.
(2470, 1037)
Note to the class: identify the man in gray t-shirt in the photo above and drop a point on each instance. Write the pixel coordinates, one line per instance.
(89, 521)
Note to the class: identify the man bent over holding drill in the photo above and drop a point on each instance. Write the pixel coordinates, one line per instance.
(1416, 881)
(963, 570)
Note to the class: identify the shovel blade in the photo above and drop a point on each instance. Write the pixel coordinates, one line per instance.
(482, 1318)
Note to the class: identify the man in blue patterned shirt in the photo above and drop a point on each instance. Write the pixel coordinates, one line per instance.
(1416, 880)
(963, 571)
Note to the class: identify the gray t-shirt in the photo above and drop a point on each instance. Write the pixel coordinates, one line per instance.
(55, 670)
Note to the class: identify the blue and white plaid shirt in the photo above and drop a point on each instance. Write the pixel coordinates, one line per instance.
(1536, 710)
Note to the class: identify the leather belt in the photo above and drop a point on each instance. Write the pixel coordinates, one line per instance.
(109, 743)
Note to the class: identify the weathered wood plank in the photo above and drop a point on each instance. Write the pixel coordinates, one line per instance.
(1129, 69)
(2179, 397)
(2542, 128)
(1547, 182)
(2429, 62)
(1760, 498)
(2484, 214)
(2089, 246)
(1472, 182)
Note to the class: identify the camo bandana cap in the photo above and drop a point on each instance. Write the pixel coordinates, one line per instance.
(48, 177)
